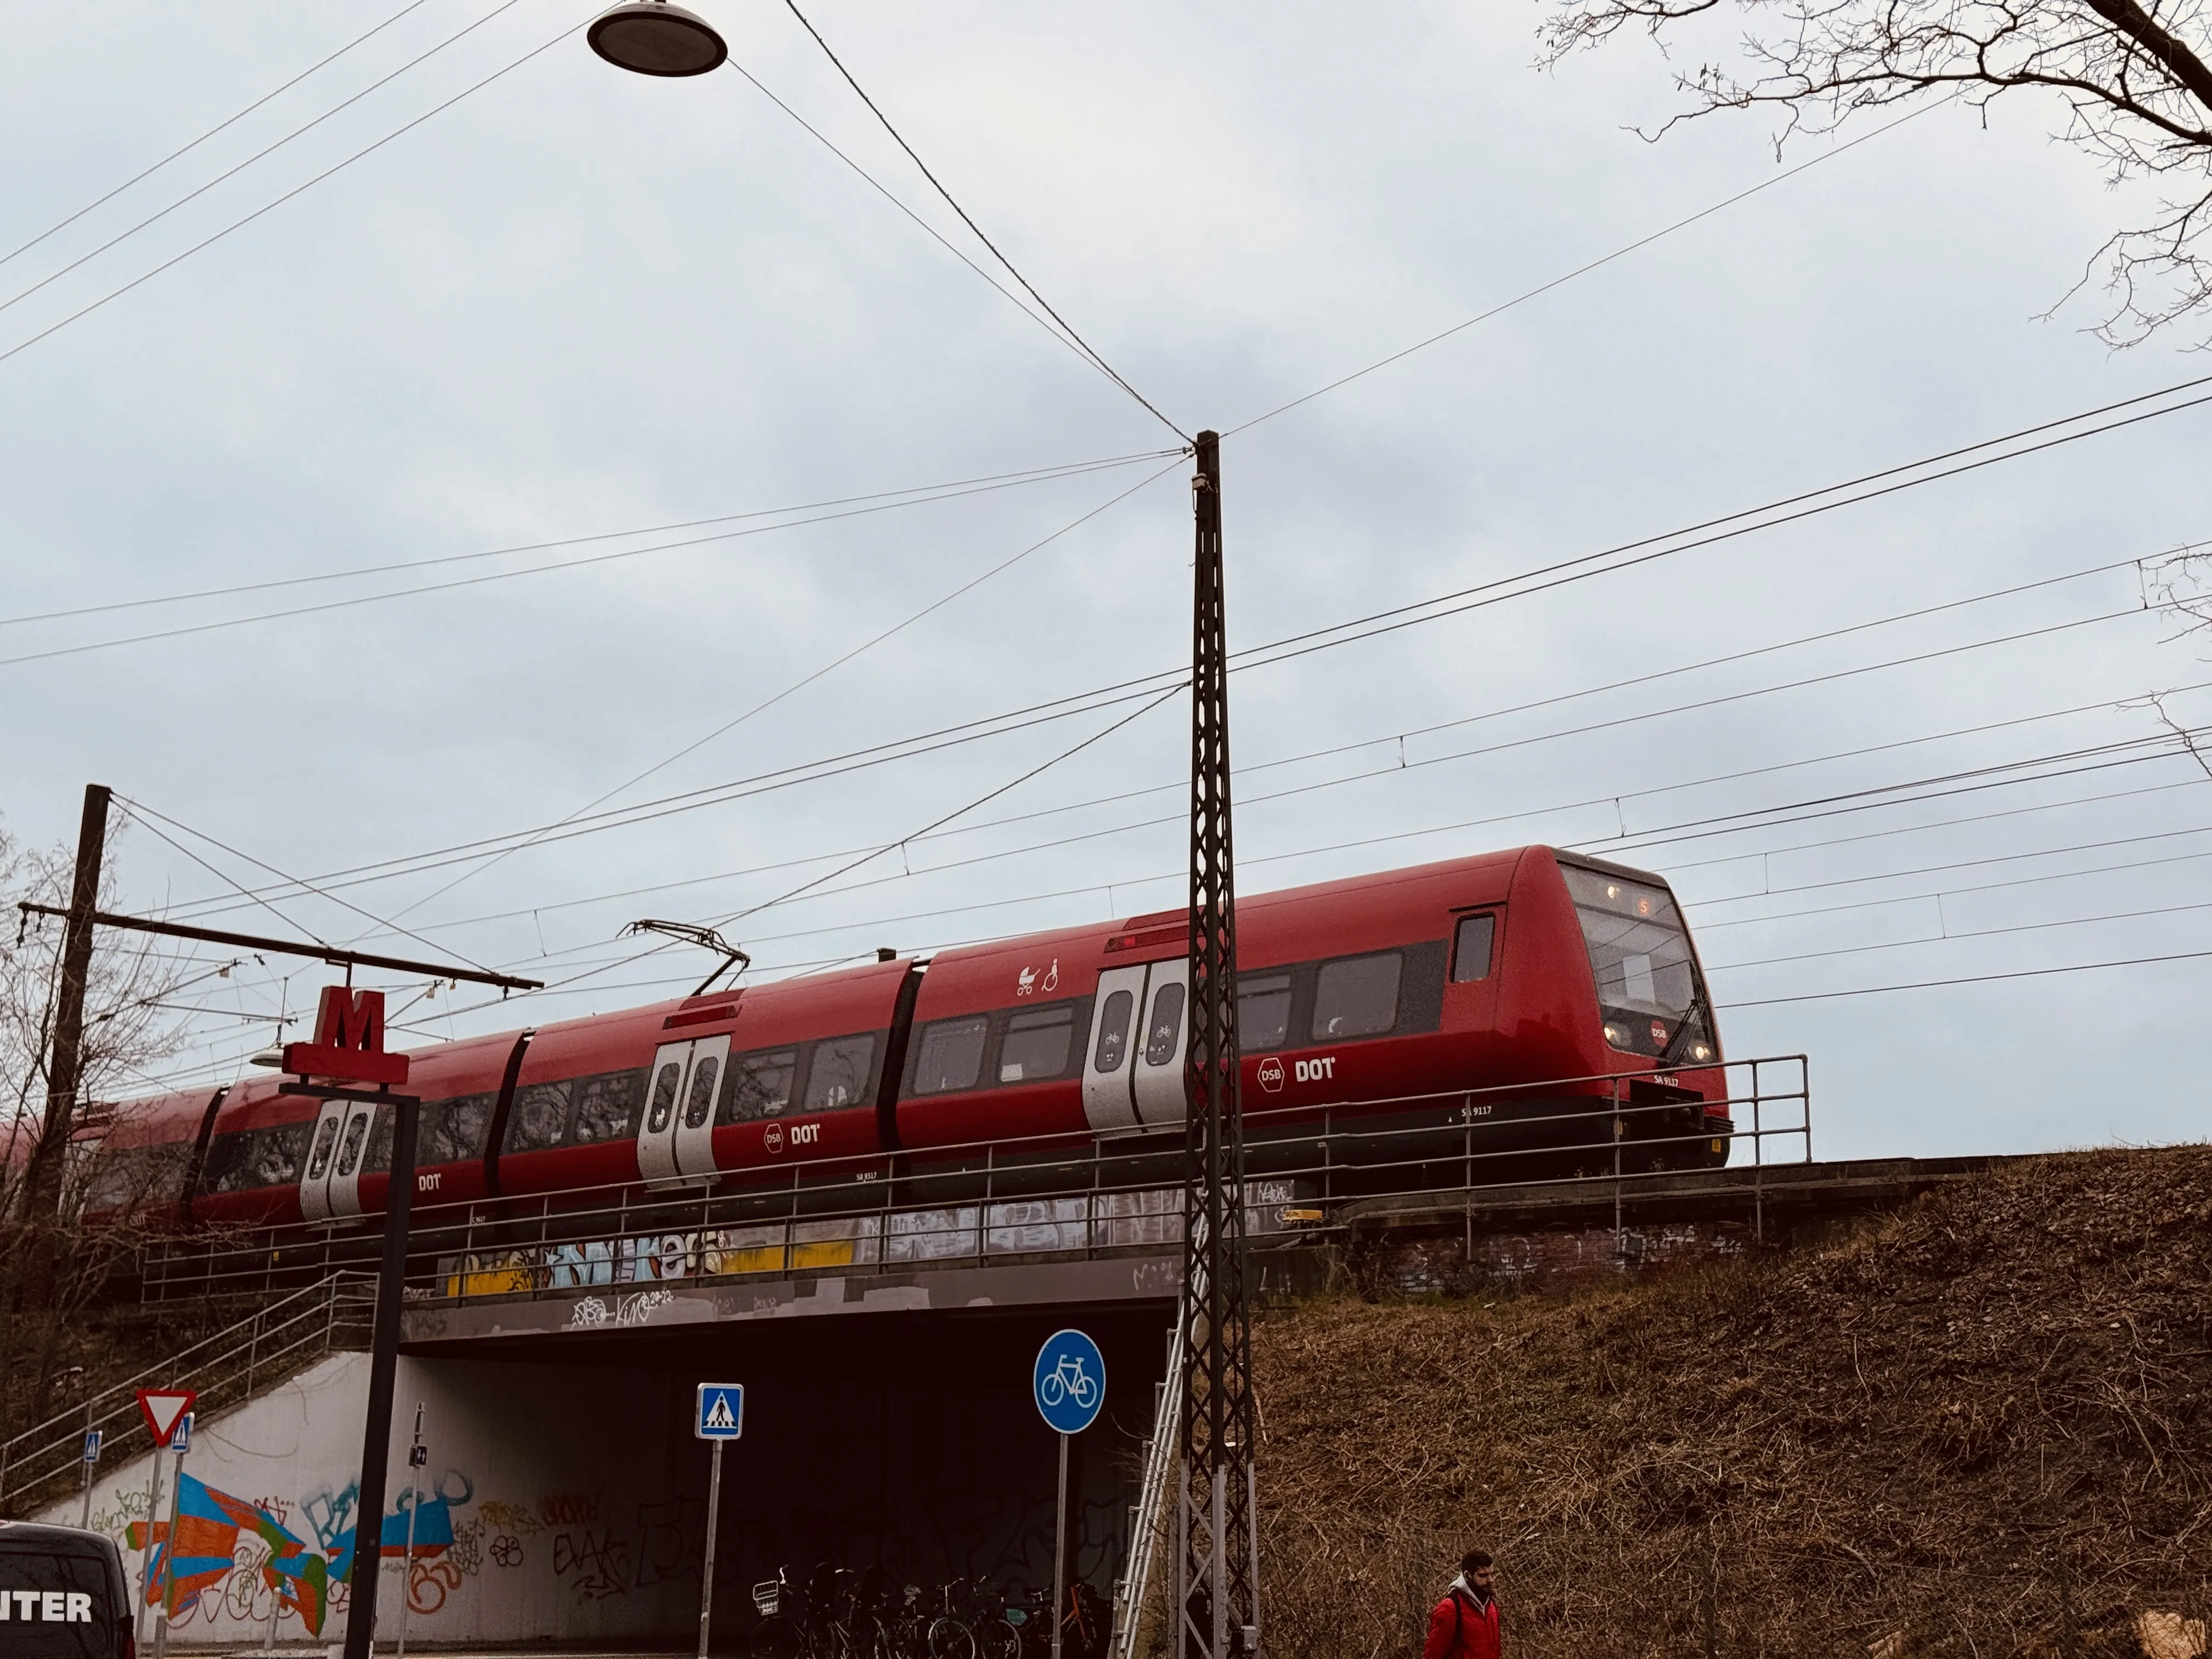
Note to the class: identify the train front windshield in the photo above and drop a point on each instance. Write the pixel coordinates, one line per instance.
(1639, 951)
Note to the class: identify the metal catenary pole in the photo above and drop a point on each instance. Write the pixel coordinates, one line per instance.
(384, 1362)
(64, 1069)
(1217, 1610)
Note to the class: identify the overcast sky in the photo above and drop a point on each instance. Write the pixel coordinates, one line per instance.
(579, 303)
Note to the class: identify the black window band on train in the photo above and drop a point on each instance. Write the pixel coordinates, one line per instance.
(758, 1086)
(840, 1073)
(1037, 1043)
(950, 1056)
(247, 1159)
(580, 1111)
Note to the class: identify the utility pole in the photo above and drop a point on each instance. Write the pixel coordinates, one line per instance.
(65, 1069)
(1217, 1580)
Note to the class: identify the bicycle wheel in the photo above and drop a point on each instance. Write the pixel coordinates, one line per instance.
(951, 1639)
(778, 1637)
(996, 1640)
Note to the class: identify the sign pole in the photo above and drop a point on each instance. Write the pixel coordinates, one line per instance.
(707, 1573)
(146, 1554)
(92, 1439)
(182, 1440)
(418, 1455)
(1060, 1553)
(718, 1416)
(1068, 1383)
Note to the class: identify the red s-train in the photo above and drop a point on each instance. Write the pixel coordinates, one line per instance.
(1425, 996)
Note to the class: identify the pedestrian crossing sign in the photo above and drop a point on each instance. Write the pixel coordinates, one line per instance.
(721, 1413)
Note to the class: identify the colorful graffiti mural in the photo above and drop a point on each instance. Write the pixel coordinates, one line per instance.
(204, 1554)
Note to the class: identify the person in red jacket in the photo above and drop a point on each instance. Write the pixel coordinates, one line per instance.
(1464, 1624)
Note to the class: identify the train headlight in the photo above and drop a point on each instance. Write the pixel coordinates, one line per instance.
(1701, 1051)
(1613, 1035)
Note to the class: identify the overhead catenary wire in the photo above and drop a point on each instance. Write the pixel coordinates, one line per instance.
(185, 149)
(174, 260)
(1584, 269)
(591, 561)
(774, 781)
(1254, 769)
(55, 275)
(801, 683)
(1028, 287)
(916, 496)
(1397, 617)
(1877, 797)
(1970, 978)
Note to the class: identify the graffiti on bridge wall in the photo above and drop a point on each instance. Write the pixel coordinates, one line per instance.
(248, 1560)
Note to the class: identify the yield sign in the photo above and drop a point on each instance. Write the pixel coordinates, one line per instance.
(163, 1408)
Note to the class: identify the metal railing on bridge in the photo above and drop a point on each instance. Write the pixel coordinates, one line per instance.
(1049, 1196)
(273, 1343)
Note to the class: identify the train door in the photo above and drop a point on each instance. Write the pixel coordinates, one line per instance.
(353, 1153)
(1159, 1044)
(1109, 1068)
(329, 1186)
(676, 1142)
(322, 1152)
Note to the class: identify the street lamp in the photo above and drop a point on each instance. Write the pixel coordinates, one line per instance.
(650, 37)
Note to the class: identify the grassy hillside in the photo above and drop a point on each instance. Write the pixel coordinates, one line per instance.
(1980, 1426)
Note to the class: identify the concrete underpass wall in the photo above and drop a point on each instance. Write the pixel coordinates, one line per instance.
(565, 1503)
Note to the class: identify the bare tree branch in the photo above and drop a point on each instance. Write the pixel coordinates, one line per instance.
(2133, 79)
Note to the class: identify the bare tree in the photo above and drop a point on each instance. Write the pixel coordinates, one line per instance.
(126, 1027)
(2131, 81)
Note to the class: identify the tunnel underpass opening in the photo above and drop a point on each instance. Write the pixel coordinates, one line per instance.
(576, 1490)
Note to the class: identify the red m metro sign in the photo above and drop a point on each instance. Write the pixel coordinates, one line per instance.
(349, 1045)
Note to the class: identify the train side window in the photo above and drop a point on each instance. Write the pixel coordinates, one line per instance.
(1472, 942)
(606, 1106)
(1263, 1012)
(453, 1131)
(326, 1136)
(839, 1075)
(1037, 1043)
(758, 1086)
(699, 1104)
(951, 1057)
(540, 1117)
(1114, 1033)
(357, 1136)
(663, 1097)
(1165, 1029)
(1357, 996)
(379, 1144)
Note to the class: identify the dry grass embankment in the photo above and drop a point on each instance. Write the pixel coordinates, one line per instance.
(1980, 1426)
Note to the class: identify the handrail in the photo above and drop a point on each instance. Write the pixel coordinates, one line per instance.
(309, 1321)
(1152, 1502)
(903, 1206)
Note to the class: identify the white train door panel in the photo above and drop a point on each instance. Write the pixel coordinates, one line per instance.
(353, 1152)
(695, 1123)
(1160, 1042)
(664, 1100)
(322, 1152)
(1108, 1063)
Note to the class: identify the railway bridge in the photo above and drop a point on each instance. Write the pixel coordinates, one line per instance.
(885, 1347)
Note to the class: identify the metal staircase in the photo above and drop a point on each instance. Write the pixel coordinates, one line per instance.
(274, 1344)
(1149, 1518)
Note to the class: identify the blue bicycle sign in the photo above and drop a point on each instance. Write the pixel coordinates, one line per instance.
(1069, 1381)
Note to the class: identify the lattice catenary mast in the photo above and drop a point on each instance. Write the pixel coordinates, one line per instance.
(1217, 1576)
